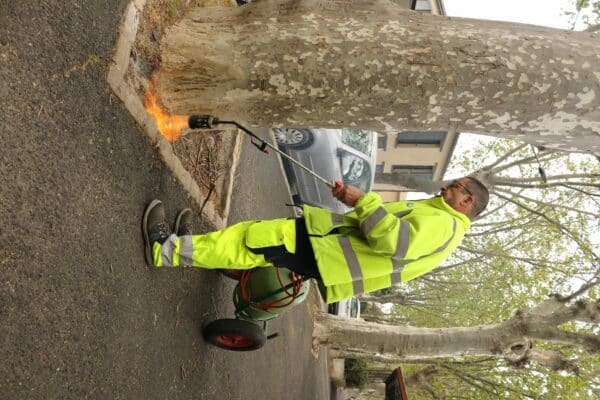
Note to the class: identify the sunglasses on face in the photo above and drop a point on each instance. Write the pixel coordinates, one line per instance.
(458, 185)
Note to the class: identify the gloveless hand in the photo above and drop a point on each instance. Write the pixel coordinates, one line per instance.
(347, 194)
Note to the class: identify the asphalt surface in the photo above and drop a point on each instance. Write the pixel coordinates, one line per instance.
(81, 316)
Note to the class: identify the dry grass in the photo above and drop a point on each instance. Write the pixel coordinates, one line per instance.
(200, 155)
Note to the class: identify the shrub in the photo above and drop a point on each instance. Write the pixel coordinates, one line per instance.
(356, 372)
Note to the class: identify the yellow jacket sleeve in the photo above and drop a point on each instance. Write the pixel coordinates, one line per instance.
(379, 227)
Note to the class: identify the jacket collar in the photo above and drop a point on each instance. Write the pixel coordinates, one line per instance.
(438, 202)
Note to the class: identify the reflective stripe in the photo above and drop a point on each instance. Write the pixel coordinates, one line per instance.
(401, 249)
(166, 251)
(399, 263)
(353, 265)
(186, 251)
(337, 219)
(397, 275)
(373, 219)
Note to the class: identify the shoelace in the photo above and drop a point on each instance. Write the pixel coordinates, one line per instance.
(163, 227)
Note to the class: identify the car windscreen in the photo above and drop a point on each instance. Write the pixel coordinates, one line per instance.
(359, 139)
(355, 170)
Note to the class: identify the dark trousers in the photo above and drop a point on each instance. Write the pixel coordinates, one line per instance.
(302, 262)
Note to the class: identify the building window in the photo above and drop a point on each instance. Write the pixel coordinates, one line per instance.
(382, 141)
(421, 5)
(426, 138)
(379, 168)
(417, 171)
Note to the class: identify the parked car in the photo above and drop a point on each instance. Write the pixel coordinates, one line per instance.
(347, 155)
(349, 308)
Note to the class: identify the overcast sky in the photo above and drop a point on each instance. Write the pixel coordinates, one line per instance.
(537, 12)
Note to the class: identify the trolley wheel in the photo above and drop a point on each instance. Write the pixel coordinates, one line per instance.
(234, 274)
(235, 334)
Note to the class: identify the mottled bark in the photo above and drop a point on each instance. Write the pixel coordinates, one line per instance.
(511, 338)
(370, 64)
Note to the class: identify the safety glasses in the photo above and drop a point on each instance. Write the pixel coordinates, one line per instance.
(458, 185)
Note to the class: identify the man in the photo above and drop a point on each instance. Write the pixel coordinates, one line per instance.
(373, 247)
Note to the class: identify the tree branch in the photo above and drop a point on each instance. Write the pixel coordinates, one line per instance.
(560, 226)
(527, 160)
(494, 386)
(503, 157)
(588, 341)
(532, 261)
(545, 204)
(553, 360)
(509, 180)
(544, 185)
(584, 192)
(584, 288)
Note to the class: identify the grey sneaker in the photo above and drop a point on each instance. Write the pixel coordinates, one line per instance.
(154, 227)
(183, 222)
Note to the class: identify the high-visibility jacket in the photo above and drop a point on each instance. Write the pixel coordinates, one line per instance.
(373, 247)
(381, 244)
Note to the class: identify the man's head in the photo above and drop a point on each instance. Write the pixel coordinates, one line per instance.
(466, 195)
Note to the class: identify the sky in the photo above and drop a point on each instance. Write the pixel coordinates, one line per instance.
(537, 12)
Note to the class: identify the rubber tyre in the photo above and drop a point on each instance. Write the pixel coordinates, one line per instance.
(235, 335)
(293, 138)
(333, 308)
(234, 274)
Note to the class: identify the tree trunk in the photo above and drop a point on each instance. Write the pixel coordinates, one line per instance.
(511, 338)
(409, 182)
(373, 65)
(353, 338)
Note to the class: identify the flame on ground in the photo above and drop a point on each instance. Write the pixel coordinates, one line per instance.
(170, 126)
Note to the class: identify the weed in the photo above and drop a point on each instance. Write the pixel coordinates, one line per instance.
(356, 372)
(171, 9)
(93, 59)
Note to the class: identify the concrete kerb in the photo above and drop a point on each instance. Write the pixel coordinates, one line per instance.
(127, 94)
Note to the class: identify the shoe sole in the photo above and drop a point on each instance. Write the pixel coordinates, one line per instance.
(178, 219)
(147, 246)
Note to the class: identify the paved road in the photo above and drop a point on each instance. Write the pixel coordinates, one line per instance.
(81, 316)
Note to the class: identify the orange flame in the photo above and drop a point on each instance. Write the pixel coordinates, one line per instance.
(170, 126)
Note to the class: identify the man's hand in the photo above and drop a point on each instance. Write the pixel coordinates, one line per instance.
(347, 194)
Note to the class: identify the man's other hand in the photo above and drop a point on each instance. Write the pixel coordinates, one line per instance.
(347, 194)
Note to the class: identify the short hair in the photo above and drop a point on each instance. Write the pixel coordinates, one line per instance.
(481, 195)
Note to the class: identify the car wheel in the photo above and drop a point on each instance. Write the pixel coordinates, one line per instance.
(293, 138)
